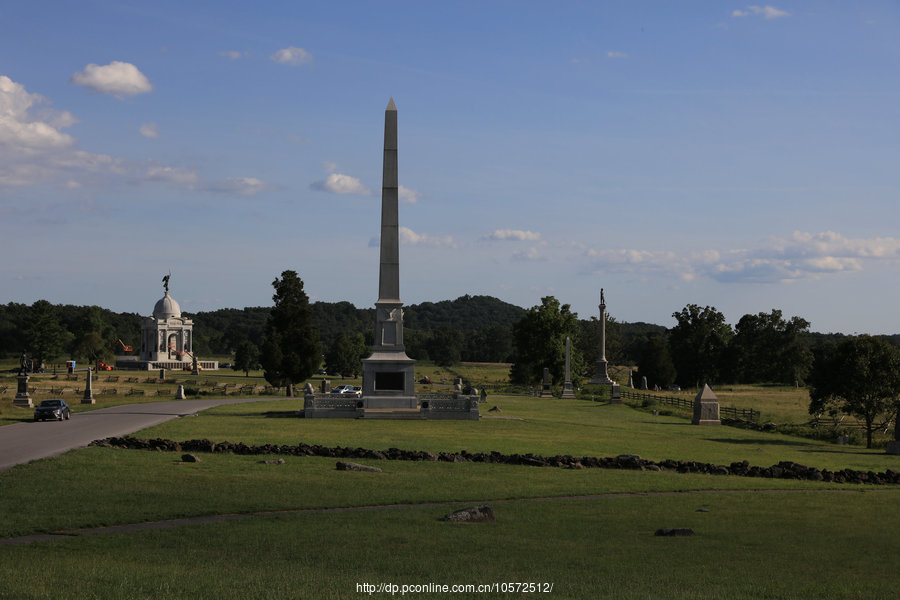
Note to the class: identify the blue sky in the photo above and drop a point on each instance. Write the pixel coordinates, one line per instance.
(743, 156)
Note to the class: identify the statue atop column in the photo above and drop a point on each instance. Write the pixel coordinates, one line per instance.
(602, 375)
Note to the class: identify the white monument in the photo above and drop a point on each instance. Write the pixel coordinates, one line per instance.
(167, 337)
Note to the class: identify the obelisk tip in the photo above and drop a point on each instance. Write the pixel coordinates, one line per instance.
(391, 105)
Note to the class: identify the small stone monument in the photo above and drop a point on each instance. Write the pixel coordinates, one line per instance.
(23, 399)
(545, 385)
(644, 382)
(88, 397)
(326, 386)
(179, 394)
(706, 408)
(630, 379)
(615, 394)
(568, 392)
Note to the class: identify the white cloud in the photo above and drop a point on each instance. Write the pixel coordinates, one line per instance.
(407, 195)
(777, 260)
(527, 255)
(292, 56)
(767, 12)
(244, 186)
(149, 130)
(513, 234)
(232, 54)
(34, 151)
(177, 176)
(118, 78)
(616, 54)
(410, 237)
(338, 183)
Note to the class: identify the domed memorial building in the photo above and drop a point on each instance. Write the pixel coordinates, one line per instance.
(167, 337)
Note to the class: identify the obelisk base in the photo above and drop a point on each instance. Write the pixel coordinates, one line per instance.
(389, 382)
(602, 377)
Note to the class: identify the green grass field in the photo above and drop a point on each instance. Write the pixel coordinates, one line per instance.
(310, 531)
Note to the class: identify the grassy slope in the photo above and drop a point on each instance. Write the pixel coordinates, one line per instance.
(548, 427)
(751, 543)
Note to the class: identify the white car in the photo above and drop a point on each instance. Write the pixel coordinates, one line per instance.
(346, 390)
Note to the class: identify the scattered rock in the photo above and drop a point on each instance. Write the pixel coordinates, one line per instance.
(674, 531)
(190, 458)
(351, 466)
(495, 409)
(702, 510)
(273, 461)
(474, 514)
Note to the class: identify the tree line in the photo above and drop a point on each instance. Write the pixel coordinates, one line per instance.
(291, 339)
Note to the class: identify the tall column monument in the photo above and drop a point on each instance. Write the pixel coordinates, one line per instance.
(388, 374)
(602, 376)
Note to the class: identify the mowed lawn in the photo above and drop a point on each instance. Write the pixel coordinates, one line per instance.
(587, 532)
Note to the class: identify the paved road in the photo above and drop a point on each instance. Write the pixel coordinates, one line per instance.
(24, 442)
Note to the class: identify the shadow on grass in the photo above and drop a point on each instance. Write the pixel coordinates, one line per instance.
(282, 414)
(758, 442)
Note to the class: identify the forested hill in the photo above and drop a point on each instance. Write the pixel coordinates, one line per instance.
(468, 313)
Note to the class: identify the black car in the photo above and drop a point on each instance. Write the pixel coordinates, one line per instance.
(52, 409)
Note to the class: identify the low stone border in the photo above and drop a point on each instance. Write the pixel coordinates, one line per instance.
(783, 470)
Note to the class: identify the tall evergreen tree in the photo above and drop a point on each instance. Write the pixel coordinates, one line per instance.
(46, 337)
(291, 350)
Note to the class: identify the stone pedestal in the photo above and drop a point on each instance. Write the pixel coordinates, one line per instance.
(706, 408)
(615, 394)
(545, 384)
(88, 397)
(23, 399)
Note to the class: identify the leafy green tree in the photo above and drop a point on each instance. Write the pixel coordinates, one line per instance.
(92, 347)
(656, 362)
(246, 357)
(540, 338)
(445, 346)
(697, 344)
(346, 353)
(860, 377)
(291, 350)
(47, 339)
(768, 348)
(589, 341)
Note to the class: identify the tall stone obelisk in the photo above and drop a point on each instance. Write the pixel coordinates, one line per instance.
(602, 375)
(388, 374)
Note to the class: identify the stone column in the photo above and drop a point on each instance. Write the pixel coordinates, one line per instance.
(88, 397)
(568, 392)
(602, 375)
